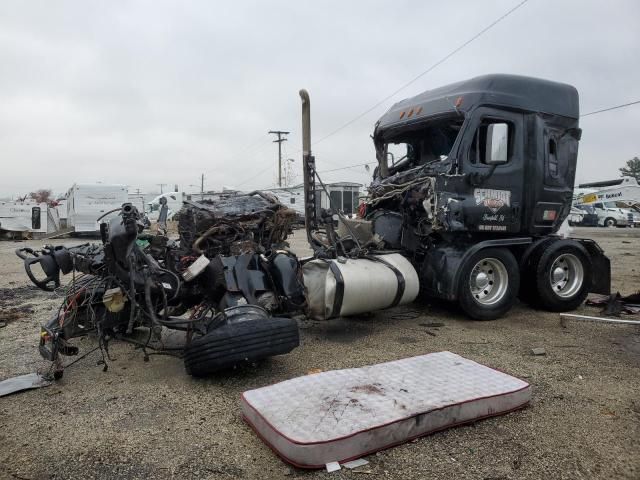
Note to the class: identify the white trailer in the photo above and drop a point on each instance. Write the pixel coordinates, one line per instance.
(88, 202)
(19, 218)
(62, 211)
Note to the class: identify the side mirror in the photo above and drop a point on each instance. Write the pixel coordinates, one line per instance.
(497, 143)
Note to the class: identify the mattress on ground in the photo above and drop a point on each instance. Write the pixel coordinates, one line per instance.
(344, 414)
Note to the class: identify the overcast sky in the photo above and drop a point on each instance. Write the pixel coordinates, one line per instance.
(149, 92)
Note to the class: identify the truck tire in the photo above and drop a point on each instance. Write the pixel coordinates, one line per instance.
(489, 283)
(563, 276)
(610, 222)
(240, 342)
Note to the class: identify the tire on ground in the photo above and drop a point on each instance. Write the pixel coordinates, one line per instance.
(488, 309)
(558, 293)
(610, 222)
(240, 342)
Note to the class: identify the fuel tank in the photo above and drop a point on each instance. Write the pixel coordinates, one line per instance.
(348, 286)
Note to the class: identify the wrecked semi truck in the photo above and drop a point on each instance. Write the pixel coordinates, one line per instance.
(476, 197)
(468, 213)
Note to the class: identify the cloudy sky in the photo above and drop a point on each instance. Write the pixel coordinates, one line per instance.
(150, 92)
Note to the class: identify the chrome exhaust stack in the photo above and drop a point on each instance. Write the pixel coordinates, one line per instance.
(308, 169)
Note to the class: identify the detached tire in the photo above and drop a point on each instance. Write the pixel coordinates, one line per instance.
(240, 342)
(488, 284)
(563, 275)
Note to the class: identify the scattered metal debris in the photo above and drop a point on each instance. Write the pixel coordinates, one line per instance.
(616, 304)
(565, 316)
(538, 351)
(359, 462)
(332, 467)
(432, 324)
(23, 382)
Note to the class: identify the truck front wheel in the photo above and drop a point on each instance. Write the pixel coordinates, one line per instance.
(563, 276)
(489, 283)
(610, 222)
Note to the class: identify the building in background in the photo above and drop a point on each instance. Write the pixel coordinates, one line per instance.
(341, 196)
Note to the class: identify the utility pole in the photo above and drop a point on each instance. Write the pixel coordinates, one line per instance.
(161, 185)
(202, 187)
(279, 141)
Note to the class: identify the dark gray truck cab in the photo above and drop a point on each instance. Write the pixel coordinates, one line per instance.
(473, 182)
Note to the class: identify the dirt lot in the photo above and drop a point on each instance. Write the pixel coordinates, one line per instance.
(150, 420)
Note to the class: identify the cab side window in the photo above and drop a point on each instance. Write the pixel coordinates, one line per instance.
(552, 157)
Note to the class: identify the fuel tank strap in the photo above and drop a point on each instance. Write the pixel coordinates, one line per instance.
(400, 277)
(337, 300)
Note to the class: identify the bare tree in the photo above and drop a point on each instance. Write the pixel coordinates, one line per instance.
(42, 195)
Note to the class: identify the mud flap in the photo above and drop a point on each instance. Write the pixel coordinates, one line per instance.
(601, 265)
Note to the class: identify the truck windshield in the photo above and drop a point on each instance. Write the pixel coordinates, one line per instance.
(418, 145)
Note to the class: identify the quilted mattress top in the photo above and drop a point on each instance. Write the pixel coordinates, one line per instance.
(339, 403)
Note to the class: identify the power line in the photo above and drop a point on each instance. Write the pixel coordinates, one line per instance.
(586, 114)
(347, 167)
(432, 67)
(251, 149)
(373, 163)
(610, 108)
(252, 145)
(255, 176)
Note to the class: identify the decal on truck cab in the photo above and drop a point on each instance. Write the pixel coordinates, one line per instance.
(492, 228)
(494, 200)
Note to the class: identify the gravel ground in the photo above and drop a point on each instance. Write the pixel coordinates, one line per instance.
(150, 420)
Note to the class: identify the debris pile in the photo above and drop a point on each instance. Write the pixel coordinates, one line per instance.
(223, 284)
(616, 304)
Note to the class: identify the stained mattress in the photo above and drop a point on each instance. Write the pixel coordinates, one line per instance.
(341, 415)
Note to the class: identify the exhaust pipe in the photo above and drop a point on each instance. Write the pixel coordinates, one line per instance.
(308, 169)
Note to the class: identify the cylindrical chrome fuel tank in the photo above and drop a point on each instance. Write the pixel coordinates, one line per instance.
(350, 286)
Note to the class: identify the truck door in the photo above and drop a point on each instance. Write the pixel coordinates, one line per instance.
(496, 189)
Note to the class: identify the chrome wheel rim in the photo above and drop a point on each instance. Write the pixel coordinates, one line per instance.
(566, 275)
(488, 281)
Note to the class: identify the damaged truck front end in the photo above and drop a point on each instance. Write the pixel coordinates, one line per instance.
(229, 283)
